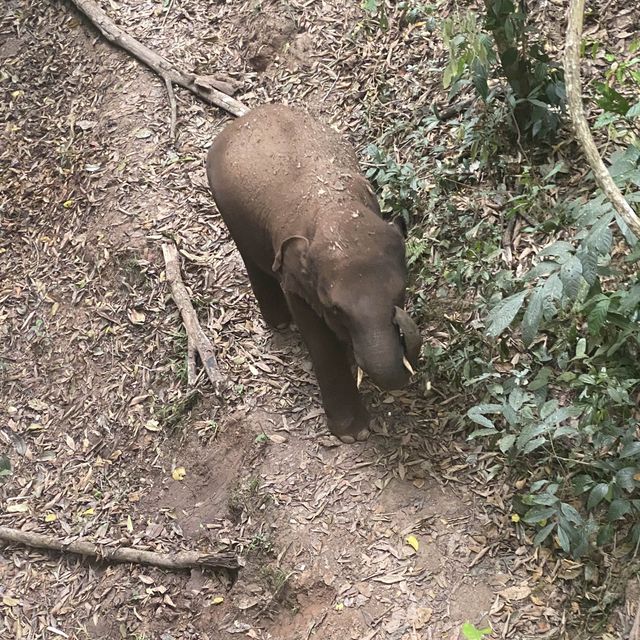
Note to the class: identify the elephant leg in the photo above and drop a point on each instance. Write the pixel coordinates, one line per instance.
(347, 418)
(269, 295)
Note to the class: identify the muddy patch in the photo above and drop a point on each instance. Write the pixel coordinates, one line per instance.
(269, 35)
(200, 484)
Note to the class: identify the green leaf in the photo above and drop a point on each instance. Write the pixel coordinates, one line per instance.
(552, 290)
(631, 300)
(529, 432)
(532, 316)
(598, 316)
(506, 442)
(597, 494)
(517, 398)
(571, 514)
(564, 540)
(543, 534)
(618, 509)
(630, 449)
(600, 237)
(624, 478)
(471, 632)
(544, 268)
(533, 444)
(571, 277)
(634, 111)
(502, 315)
(589, 261)
(477, 414)
(539, 514)
(560, 248)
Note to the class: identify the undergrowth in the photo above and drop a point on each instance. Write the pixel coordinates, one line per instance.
(546, 348)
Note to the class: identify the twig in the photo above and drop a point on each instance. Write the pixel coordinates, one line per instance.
(179, 560)
(453, 110)
(580, 124)
(196, 337)
(174, 107)
(199, 85)
(507, 241)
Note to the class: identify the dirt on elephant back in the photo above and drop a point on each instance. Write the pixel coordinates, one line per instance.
(406, 536)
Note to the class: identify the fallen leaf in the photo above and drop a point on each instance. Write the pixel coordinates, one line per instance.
(21, 507)
(37, 404)
(143, 134)
(152, 425)
(277, 438)
(412, 541)
(179, 473)
(389, 579)
(9, 601)
(50, 517)
(136, 317)
(129, 524)
(88, 512)
(518, 592)
(422, 617)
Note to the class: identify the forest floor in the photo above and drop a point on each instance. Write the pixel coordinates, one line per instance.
(95, 413)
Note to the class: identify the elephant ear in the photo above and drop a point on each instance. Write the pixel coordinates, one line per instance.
(410, 335)
(292, 260)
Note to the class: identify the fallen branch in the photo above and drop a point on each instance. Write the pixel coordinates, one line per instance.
(199, 85)
(197, 340)
(179, 560)
(580, 124)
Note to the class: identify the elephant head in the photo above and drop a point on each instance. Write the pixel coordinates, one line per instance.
(359, 291)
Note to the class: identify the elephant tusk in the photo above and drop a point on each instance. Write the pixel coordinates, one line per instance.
(359, 377)
(407, 365)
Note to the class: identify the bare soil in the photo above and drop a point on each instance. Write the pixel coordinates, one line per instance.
(406, 536)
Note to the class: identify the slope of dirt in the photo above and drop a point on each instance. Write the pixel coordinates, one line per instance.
(406, 536)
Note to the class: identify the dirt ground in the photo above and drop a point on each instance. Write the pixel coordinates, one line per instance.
(406, 536)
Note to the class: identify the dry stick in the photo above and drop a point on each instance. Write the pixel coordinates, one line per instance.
(580, 125)
(179, 560)
(174, 107)
(199, 85)
(196, 337)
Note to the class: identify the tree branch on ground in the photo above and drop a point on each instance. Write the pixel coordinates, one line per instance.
(201, 86)
(580, 124)
(197, 340)
(178, 560)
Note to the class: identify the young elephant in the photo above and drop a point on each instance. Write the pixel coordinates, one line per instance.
(309, 230)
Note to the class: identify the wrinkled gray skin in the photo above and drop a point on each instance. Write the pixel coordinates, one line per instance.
(309, 230)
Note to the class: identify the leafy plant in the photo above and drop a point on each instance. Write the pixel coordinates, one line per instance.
(397, 185)
(579, 312)
(504, 47)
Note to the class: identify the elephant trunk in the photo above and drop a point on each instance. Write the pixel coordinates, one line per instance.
(380, 356)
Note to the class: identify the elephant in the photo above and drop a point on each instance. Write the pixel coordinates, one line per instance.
(317, 250)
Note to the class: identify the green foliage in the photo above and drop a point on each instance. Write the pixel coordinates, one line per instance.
(579, 312)
(471, 632)
(407, 12)
(553, 382)
(504, 47)
(398, 186)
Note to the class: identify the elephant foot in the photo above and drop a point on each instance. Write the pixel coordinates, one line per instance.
(277, 319)
(361, 436)
(351, 430)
